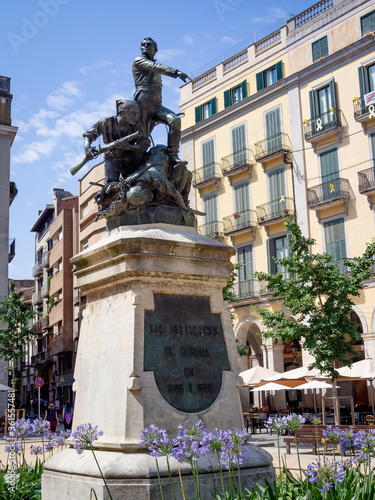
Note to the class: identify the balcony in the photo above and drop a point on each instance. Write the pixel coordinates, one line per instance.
(45, 321)
(45, 259)
(274, 212)
(240, 222)
(37, 269)
(12, 250)
(236, 163)
(212, 229)
(207, 175)
(272, 147)
(248, 289)
(366, 183)
(45, 289)
(322, 126)
(329, 194)
(362, 112)
(37, 298)
(37, 327)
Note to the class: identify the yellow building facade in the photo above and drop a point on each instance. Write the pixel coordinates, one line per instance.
(286, 127)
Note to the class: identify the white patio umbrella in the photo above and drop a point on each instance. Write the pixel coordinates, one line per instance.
(5, 388)
(298, 373)
(358, 369)
(314, 385)
(271, 387)
(370, 376)
(254, 375)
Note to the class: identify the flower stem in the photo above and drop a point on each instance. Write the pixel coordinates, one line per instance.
(170, 479)
(161, 487)
(182, 486)
(101, 473)
(221, 476)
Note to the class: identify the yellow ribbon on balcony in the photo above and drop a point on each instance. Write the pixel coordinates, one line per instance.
(331, 110)
(304, 123)
(282, 198)
(355, 99)
(332, 188)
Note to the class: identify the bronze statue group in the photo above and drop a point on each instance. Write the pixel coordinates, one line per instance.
(138, 177)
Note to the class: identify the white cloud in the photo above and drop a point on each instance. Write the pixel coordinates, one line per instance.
(94, 66)
(188, 39)
(274, 14)
(62, 98)
(227, 39)
(35, 150)
(166, 55)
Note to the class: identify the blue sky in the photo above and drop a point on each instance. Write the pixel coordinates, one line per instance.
(69, 60)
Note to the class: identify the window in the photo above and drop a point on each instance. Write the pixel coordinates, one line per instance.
(205, 110)
(366, 76)
(368, 23)
(60, 234)
(239, 145)
(60, 265)
(49, 245)
(245, 273)
(334, 235)
(242, 205)
(211, 226)
(329, 171)
(269, 76)
(320, 48)
(276, 192)
(236, 94)
(208, 159)
(323, 107)
(273, 131)
(278, 248)
(85, 244)
(84, 210)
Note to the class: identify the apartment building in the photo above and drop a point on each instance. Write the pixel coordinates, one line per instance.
(286, 127)
(8, 191)
(53, 351)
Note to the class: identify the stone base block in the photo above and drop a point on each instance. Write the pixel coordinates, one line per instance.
(134, 475)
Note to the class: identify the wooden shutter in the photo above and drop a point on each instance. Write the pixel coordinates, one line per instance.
(208, 159)
(332, 88)
(241, 197)
(273, 131)
(260, 81)
(362, 81)
(213, 105)
(245, 256)
(239, 145)
(372, 136)
(198, 114)
(312, 104)
(277, 191)
(228, 98)
(329, 165)
(211, 218)
(270, 255)
(279, 71)
(244, 89)
(334, 234)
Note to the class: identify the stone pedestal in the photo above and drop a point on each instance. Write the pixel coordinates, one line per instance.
(156, 347)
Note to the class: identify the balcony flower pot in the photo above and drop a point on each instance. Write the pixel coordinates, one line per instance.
(285, 211)
(236, 215)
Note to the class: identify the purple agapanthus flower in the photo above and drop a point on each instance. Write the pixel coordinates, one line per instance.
(36, 450)
(40, 427)
(150, 436)
(331, 433)
(13, 446)
(216, 441)
(294, 421)
(163, 446)
(188, 450)
(191, 430)
(326, 474)
(277, 424)
(84, 435)
(21, 428)
(49, 446)
(235, 453)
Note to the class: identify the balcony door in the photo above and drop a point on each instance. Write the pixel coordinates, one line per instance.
(211, 217)
(239, 146)
(208, 159)
(329, 170)
(277, 192)
(245, 273)
(334, 235)
(242, 205)
(273, 131)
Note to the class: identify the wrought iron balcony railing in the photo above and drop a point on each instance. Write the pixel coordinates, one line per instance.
(276, 209)
(213, 229)
(37, 298)
(366, 181)
(45, 321)
(272, 146)
(248, 289)
(321, 124)
(37, 269)
(206, 175)
(45, 259)
(240, 221)
(45, 289)
(361, 110)
(328, 193)
(237, 162)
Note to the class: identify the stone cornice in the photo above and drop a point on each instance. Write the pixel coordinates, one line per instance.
(8, 130)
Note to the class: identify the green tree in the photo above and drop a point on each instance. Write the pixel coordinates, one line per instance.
(16, 315)
(319, 295)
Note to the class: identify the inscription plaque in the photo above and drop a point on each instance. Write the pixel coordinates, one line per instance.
(185, 348)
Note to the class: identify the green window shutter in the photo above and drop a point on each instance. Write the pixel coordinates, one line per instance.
(238, 139)
(362, 84)
(279, 71)
(210, 209)
(316, 51)
(244, 89)
(198, 114)
(312, 104)
(368, 23)
(227, 98)
(332, 87)
(276, 183)
(270, 255)
(245, 256)
(208, 153)
(372, 136)
(241, 197)
(213, 105)
(329, 165)
(273, 123)
(260, 81)
(334, 234)
(324, 46)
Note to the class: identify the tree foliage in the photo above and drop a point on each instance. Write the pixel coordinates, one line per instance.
(319, 295)
(16, 333)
